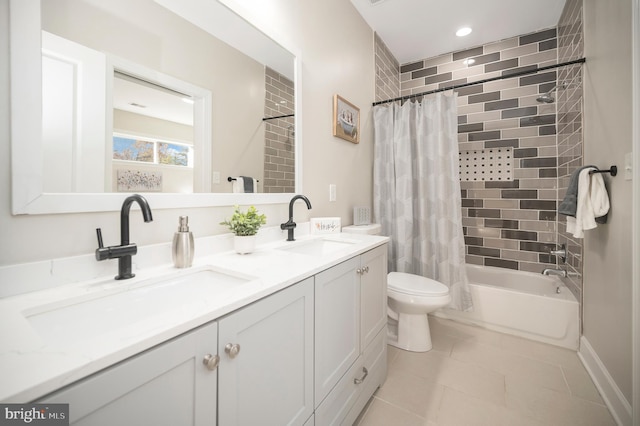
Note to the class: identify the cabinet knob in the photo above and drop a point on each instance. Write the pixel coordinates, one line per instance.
(211, 361)
(366, 269)
(359, 271)
(364, 376)
(232, 349)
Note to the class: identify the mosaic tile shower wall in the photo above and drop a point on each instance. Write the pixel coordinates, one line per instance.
(507, 223)
(279, 149)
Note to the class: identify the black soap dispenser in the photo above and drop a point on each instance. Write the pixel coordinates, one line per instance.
(182, 249)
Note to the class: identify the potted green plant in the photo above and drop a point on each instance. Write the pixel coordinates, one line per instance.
(245, 225)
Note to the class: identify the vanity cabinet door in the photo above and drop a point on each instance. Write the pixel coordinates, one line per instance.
(373, 293)
(266, 360)
(337, 326)
(165, 385)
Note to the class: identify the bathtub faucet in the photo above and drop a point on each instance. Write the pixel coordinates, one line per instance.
(556, 272)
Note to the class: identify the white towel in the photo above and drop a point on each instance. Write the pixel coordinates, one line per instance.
(237, 185)
(593, 201)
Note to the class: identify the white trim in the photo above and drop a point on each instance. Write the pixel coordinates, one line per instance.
(612, 395)
(635, 226)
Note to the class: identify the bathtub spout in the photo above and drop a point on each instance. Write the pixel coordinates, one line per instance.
(556, 272)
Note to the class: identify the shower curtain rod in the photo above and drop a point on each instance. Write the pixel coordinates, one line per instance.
(279, 116)
(486, 80)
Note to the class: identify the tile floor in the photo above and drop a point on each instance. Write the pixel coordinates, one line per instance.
(474, 377)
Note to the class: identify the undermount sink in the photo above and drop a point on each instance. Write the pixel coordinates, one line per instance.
(317, 247)
(80, 319)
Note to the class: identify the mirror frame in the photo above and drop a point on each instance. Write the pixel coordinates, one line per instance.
(26, 129)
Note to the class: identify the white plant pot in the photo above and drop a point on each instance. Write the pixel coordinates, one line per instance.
(244, 244)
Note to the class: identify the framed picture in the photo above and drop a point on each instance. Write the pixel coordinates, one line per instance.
(346, 120)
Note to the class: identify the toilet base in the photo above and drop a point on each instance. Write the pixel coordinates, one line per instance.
(410, 333)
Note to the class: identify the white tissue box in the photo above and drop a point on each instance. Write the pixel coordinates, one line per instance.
(325, 225)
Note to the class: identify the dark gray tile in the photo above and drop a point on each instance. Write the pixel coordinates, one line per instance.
(547, 173)
(539, 162)
(518, 235)
(514, 143)
(468, 53)
(539, 36)
(492, 213)
(412, 66)
(424, 72)
(483, 136)
(463, 193)
(437, 78)
(501, 223)
(538, 120)
(505, 104)
(473, 241)
(462, 119)
(473, 127)
(546, 258)
(537, 247)
(483, 251)
(548, 44)
(484, 97)
(525, 152)
(519, 112)
(538, 78)
(472, 202)
(501, 65)
(545, 87)
(547, 215)
(470, 90)
(503, 184)
(520, 194)
(501, 263)
(546, 130)
(520, 69)
(538, 204)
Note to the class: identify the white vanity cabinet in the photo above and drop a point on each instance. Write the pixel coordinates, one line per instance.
(311, 353)
(165, 385)
(266, 360)
(350, 353)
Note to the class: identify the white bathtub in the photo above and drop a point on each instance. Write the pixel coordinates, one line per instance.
(524, 304)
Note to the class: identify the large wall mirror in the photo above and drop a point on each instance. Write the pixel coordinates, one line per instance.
(168, 98)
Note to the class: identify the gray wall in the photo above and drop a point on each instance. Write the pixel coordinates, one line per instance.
(607, 138)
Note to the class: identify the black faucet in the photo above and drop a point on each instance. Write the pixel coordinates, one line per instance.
(290, 225)
(125, 250)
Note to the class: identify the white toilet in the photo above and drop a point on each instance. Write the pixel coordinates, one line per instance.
(409, 298)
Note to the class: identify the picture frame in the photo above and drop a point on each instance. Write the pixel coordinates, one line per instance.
(346, 120)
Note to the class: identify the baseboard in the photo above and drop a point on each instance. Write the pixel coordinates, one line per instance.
(613, 397)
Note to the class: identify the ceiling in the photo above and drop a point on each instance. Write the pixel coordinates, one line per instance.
(420, 29)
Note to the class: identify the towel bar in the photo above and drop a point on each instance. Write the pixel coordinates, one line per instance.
(229, 179)
(613, 170)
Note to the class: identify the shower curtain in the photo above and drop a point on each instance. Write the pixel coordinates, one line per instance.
(417, 191)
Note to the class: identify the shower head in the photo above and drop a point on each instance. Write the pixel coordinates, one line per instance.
(546, 98)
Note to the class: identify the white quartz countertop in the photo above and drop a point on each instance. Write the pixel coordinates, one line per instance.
(34, 363)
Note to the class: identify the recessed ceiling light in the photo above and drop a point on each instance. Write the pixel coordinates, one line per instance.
(463, 31)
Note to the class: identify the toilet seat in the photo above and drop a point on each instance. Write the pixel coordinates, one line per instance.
(416, 285)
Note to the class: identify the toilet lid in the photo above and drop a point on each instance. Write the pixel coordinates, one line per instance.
(402, 282)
